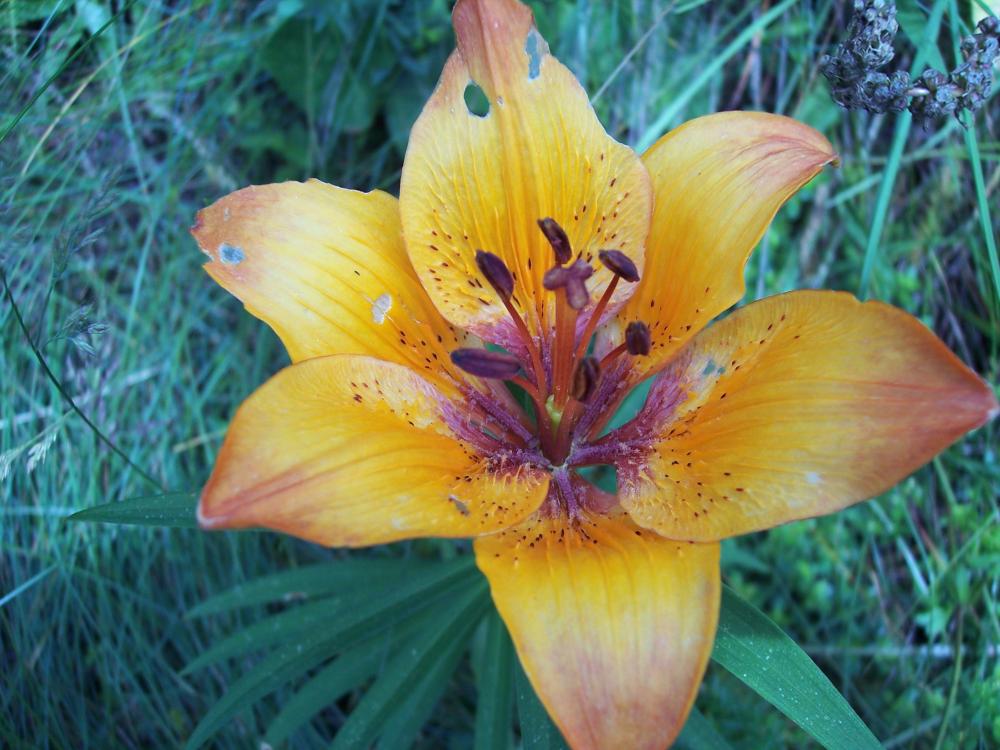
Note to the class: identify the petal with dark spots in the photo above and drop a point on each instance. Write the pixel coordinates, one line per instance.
(351, 451)
(482, 183)
(613, 624)
(325, 267)
(795, 406)
(718, 181)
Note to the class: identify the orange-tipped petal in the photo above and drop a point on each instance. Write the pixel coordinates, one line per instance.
(792, 407)
(351, 451)
(482, 183)
(613, 624)
(325, 267)
(717, 183)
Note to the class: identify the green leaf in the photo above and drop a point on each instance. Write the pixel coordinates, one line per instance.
(495, 688)
(285, 664)
(327, 686)
(452, 622)
(24, 11)
(341, 616)
(537, 730)
(92, 15)
(699, 734)
(409, 717)
(756, 651)
(321, 579)
(708, 73)
(913, 21)
(300, 59)
(174, 509)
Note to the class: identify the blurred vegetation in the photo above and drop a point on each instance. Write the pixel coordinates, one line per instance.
(131, 130)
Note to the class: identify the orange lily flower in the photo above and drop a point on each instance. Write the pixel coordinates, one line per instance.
(591, 269)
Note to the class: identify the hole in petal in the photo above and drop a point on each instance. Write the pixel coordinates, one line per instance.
(535, 48)
(230, 255)
(476, 101)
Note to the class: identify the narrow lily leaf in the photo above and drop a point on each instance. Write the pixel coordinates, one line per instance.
(699, 734)
(321, 579)
(452, 622)
(537, 730)
(175, 509)
(285, 627)
(409, 717)
(758, 652)
(495, 687)
(287, 663)
(341, 676)
(337, 615)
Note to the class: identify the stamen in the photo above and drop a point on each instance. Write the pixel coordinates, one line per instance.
(557, 239)
(501, 279)
(585, 378)
(497, 413)
(623, 268)
(637, 339)
(486, 364)
(496, 273)
(619, 264)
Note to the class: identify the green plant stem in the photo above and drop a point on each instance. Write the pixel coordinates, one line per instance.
(895, 157)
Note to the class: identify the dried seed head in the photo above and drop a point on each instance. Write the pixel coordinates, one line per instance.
(637, 339)
(619, 264)
(496, 273)
(557, 239)
(486, 364)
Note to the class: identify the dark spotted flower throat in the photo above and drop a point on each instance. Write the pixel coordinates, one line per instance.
(573, 391)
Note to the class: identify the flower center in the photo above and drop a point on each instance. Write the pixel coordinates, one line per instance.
(573, 393)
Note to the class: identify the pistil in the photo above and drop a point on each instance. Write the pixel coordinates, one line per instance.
(502, 281)
(569, 284)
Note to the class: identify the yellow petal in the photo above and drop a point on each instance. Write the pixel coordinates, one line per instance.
(351, 451)
(326, 269)
(717, 183)
(614, 625)
(792, 407)
(473, 182)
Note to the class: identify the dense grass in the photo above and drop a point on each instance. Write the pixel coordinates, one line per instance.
(177, 103)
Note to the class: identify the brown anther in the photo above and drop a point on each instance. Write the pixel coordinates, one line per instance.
(619, 264)
(486, 364)
(585, 379)
(573, 280)
(496, 273)
(557, 239)
(637, 340)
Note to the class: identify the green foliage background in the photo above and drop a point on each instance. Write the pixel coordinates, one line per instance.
(177, 103)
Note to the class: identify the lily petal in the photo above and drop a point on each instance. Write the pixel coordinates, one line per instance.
(325, 267)
(351, 451)
(717, 182)
(792, 407)
(613, 624)
(472, 182)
